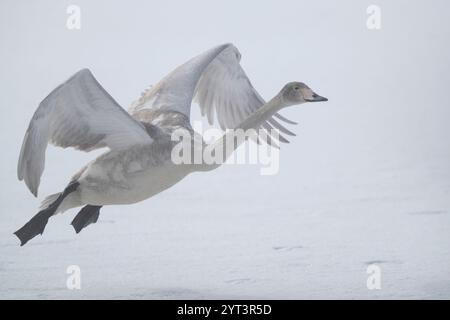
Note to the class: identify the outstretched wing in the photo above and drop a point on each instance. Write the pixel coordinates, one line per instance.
(80, 114)
(217, 82)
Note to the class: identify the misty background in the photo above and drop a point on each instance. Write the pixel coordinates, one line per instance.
(366, 181)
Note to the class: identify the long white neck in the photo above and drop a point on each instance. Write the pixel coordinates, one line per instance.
(254, 121)
(257, 118)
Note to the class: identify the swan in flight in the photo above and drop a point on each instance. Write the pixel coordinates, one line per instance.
(137, 165)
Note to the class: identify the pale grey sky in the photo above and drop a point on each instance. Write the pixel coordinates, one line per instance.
(387, 88)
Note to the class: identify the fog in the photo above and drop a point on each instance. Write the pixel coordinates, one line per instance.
(366, 178)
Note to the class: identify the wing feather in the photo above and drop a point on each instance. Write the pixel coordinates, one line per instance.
(79, 114)
(216, 81)
(234, 97)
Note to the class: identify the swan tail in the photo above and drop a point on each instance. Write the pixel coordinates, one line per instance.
(37, 224)
(49, 200)
(89, 214)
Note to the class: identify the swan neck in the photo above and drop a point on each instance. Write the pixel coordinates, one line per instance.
(256, 119)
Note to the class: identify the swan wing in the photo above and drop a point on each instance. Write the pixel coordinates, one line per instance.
(217, 82)
(79, 114)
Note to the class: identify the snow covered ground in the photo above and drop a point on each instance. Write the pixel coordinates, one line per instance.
(230, 241)
(365, 182)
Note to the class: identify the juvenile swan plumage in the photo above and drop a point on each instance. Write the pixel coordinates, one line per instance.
(81, 114)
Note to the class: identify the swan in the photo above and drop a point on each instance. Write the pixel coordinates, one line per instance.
(137, 164)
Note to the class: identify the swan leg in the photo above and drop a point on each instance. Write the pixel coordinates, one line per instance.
(37, 224)
(89, 214)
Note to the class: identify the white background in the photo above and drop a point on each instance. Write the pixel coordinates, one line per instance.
(366, 181)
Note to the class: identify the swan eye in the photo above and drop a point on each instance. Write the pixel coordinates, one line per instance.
(296, 88)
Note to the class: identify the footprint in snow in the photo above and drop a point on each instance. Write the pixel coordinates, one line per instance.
(287, 248)
(376, 262)
(238, 281)
(428, 212)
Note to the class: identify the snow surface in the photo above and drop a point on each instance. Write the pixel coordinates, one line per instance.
(228, 241)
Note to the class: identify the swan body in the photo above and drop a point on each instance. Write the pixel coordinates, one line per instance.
(138, 163)
(129, 176)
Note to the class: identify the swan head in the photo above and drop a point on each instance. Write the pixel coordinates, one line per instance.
(297, 93)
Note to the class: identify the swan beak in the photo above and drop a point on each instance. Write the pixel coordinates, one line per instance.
(316, 98)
